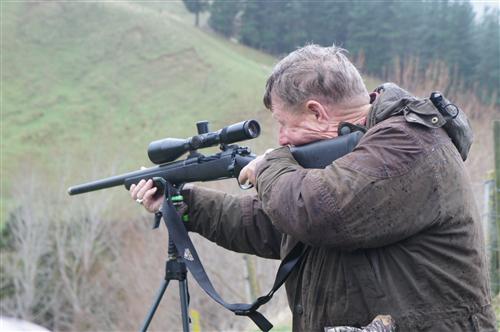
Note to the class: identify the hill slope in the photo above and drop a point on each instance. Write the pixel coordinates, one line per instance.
(101, 80)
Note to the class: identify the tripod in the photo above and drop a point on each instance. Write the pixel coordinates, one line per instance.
(175, 269)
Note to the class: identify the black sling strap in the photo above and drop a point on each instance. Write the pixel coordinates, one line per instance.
(187, 251)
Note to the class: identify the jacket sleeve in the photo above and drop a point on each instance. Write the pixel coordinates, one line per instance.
(374, 196)
(237, 223)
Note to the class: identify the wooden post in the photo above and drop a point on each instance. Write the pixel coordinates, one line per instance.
(253, 282)
(490, 224)
(495, 244)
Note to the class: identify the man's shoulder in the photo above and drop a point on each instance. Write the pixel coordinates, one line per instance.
(394, 146)
(398, 131)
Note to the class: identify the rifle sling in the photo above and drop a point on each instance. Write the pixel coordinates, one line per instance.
(187, 251)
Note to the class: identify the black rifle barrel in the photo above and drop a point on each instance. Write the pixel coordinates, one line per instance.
(225, 165)
(112, 181)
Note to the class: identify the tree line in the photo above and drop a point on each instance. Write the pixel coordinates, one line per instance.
(385, 34)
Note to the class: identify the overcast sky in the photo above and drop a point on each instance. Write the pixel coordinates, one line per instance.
(480, 5)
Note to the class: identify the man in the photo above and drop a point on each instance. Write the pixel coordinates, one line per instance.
(392, 227)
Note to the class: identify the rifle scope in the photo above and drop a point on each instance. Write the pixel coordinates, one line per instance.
(168, 149)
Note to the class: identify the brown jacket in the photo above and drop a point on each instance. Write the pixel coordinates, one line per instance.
(393, 229)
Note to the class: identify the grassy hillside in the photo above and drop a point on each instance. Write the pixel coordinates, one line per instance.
(98, 81)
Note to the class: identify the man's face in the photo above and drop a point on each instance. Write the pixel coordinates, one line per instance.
(296, 127)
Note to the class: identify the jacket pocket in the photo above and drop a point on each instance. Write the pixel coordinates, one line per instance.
(423, 112)
(363, 279)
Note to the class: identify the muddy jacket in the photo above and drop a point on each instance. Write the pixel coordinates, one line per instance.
(392, 227)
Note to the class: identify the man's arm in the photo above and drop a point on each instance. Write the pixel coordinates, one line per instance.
(382, 192)
(237, 223)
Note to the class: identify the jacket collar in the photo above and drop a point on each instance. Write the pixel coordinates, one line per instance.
(389, 102)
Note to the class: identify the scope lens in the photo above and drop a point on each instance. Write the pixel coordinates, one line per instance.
(252, 128)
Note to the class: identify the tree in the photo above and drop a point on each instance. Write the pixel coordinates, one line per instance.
(461, 54)
(196, 7)
(488, 47)
(252, 22)
(392, 36)
(371, 30)
(274, 26)
(222, 16)
(328, 22)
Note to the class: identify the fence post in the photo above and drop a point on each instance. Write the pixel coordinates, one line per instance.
(490, 228)
(252, 280)
(495, 259)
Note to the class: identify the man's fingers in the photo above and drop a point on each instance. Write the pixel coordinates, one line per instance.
(150, 203)
(243, 177)
(150, 193)
(145, 187)
(135, 190)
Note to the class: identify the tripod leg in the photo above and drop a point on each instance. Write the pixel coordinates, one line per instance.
(151, 313)
(184, 304)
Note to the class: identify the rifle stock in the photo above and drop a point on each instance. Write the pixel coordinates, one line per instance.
(322, 153)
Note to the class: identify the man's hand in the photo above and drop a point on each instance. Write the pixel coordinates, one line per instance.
(248, 172)
(145, 191)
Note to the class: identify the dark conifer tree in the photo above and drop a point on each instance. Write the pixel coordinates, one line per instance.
(222, 16)
(327, 22)
(252, 19)
(371, 30)
(459, 38)
(196, 7)
(264, 25)
(488, 47)
(421, 29)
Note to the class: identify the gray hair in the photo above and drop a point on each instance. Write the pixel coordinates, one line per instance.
(315, 71)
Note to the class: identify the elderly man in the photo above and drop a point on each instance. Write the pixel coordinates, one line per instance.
(392, 227)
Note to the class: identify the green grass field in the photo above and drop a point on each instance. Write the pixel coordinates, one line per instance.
(88, 84)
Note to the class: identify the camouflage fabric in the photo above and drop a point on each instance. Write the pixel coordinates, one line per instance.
(381, 323)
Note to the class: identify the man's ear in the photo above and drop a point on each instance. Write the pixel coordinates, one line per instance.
(318, 110)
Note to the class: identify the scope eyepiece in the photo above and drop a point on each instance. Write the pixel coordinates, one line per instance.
(169, 149)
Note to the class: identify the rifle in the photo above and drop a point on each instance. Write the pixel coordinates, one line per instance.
(222, 165)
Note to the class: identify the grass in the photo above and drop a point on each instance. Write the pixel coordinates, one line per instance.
(105, 79)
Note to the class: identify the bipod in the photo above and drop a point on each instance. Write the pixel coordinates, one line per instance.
(175, 269)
